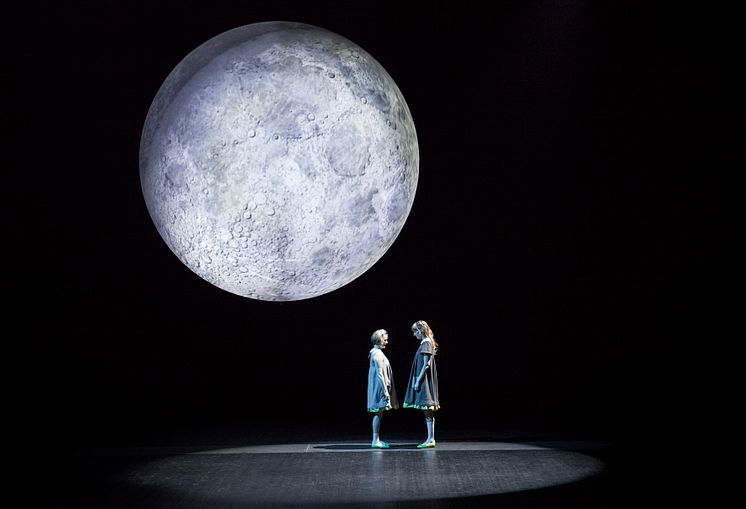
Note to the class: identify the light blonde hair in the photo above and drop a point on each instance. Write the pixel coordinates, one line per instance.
(424, 328)
(375, 338)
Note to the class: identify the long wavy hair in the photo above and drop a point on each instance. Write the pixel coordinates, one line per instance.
(424, 328)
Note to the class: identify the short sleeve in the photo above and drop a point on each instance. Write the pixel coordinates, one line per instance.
(426, 347)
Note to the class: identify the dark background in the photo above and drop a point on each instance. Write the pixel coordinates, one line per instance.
(570, 243)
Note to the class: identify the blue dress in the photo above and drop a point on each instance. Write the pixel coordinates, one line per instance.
(380, 382)
(427, 397)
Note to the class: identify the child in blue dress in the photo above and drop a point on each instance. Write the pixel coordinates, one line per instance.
(381, 391)
(422, 389)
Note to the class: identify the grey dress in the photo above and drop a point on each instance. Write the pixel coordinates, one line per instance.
(427, 397)
(380, 381)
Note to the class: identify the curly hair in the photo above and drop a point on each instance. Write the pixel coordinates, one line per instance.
(375, 338)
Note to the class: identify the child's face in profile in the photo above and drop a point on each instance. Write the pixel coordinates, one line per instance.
(384, 340)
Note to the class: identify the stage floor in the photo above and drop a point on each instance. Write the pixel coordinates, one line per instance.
(465, 470)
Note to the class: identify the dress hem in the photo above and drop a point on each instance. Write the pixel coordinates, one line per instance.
(422, 407)
(376, 410)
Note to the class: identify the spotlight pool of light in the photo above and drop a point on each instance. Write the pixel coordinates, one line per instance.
(281, 474)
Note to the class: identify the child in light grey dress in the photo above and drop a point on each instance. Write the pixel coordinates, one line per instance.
(422, 389)
(381, 390)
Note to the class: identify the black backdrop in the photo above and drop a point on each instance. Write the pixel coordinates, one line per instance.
(568, 241)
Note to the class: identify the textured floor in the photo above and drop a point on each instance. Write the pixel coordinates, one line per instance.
(467, 471)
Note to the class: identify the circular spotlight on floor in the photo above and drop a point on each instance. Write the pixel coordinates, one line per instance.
(351, 472)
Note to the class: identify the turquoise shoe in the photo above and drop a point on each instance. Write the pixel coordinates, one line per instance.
(382, 445)
(426, 445)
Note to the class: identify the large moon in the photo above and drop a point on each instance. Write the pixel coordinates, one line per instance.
(279, 161)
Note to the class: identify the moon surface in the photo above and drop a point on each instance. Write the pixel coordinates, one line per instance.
(279, 161)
